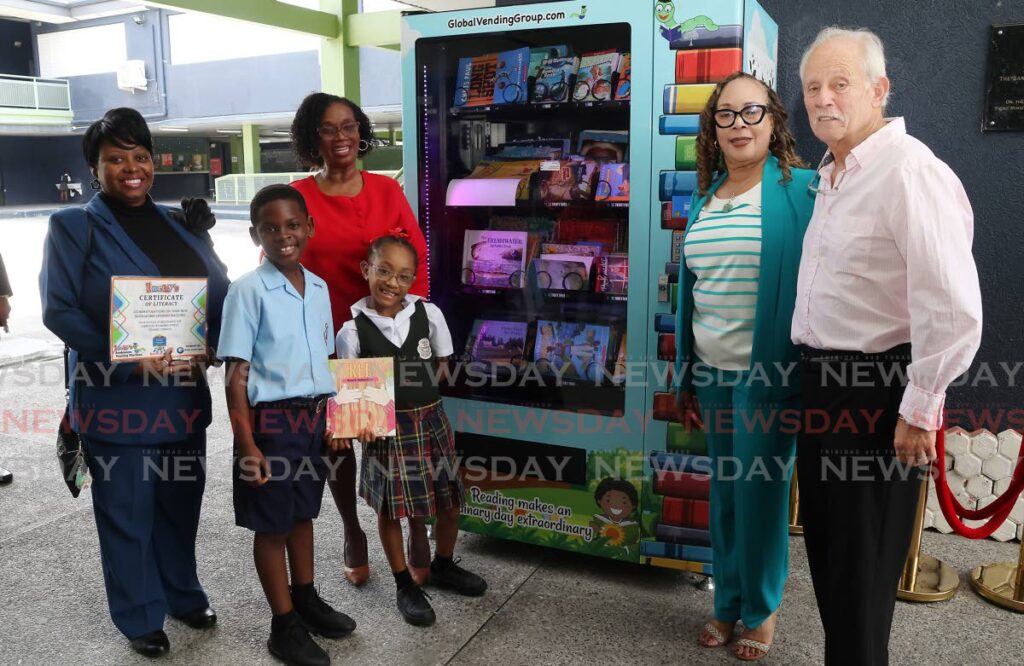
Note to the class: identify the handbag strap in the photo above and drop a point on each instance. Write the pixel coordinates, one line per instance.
(67, 350)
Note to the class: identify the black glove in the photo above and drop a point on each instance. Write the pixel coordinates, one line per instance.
(195, 215)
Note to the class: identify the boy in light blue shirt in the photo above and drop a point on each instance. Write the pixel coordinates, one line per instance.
(276, 338)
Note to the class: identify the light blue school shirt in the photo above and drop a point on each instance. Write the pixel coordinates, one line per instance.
(285, 337)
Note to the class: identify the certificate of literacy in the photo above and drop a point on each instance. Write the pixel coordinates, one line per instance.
(149, 316)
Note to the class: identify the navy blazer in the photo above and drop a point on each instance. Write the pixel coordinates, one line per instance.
(108, 402)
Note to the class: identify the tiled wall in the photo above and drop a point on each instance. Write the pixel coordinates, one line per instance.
(978, 470)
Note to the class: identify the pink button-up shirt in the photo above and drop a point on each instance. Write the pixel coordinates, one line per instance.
(887, 260)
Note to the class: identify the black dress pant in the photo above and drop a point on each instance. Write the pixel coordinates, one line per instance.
(856, 500)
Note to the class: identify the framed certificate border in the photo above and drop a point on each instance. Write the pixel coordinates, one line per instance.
(186, 339)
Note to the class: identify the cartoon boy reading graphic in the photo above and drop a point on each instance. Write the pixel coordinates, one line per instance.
(617, 500)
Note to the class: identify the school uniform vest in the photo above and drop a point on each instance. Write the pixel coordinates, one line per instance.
(413, 360)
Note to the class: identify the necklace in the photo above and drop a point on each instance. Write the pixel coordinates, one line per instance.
(740, 189)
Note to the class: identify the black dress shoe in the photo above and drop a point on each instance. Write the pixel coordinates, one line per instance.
(414, 607)
(5, 476)
(200, 618)
(153, 644)
(317, 614)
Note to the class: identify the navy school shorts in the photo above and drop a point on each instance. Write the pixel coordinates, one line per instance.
(290, 434)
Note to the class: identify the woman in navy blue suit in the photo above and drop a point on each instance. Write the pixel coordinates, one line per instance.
(143, 424)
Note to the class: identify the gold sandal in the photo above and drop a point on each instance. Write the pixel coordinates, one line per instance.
(761, 648)
(713, 631)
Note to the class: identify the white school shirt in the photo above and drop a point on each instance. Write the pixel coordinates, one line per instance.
(396, 330)
(887, 260)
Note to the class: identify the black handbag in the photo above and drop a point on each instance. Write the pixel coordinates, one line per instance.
(70, 452)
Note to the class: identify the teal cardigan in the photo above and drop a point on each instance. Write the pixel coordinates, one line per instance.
(785, 212)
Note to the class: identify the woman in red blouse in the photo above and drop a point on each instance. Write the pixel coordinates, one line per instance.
(350, 209)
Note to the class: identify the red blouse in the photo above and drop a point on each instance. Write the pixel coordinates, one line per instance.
(344, 229)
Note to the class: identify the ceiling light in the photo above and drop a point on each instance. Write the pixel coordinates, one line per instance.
(229, 131)
(173, 129)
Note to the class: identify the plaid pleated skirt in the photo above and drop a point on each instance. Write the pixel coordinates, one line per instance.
(413, 474)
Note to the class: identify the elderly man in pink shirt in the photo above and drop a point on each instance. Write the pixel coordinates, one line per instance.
(888, 313)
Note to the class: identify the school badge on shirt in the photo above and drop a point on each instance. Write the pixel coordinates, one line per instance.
(423, 347)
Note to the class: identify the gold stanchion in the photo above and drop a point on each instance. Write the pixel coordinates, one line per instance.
(1002, 583)
(795, 528)
(925, 579)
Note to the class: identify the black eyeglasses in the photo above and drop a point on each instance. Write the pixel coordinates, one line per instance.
(752, 114)
(331, 131)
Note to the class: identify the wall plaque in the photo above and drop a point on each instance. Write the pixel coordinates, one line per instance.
(1004, 84)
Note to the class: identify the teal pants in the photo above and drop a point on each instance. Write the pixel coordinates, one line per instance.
(752, 450)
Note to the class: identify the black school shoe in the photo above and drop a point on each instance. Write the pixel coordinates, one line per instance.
(200, 618)
(414, 607)
(292, 644)
(317, 614)
(153, 644)
(457, 579)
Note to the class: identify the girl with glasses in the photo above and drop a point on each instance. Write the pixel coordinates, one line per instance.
(351, 207)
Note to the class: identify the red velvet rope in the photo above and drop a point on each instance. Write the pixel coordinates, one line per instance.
(995, 513)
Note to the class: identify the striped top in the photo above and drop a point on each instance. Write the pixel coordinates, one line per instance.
(723, 249)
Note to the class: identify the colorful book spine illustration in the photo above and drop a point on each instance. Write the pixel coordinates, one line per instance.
(594, 78)
(664, 407)
(612, 183)
(687, 99)
(623, 84)
(676, 551)
(707, 65)
(682, 535)
(682, 484)
(664, 322)
(474, 83)
(668, 461)
(673, 296)
(677, 246)
(365, 397)
(680, 124)
(677, 183)
(582, 248)
(510, 80)
(680, 440)
(612, 274)
(681, 512)
(686, 153)
(666, 347)
(675, 213)
(723, 37)
(494, 258)
(554, 80)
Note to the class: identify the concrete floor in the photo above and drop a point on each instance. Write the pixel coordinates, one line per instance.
(543, 607)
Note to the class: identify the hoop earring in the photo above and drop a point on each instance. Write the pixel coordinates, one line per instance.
(315, 154)
(773, 138)
(95, 184)
(717, 147)
(364, 145)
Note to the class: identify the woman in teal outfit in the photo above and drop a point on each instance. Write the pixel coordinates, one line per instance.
(734, 357)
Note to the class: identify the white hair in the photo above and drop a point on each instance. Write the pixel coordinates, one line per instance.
(874, 52)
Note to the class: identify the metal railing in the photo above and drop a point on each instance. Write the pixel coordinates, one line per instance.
(240, 188)
(29, 92)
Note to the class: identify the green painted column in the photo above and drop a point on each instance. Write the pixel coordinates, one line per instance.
(250, 148)
(339, 64)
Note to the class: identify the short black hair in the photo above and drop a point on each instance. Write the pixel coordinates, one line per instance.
(274, 193)
(122, 127)
(308, 118)
(380, 243)
(609, 484)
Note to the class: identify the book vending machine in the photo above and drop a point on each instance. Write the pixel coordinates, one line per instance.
(554, 195)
